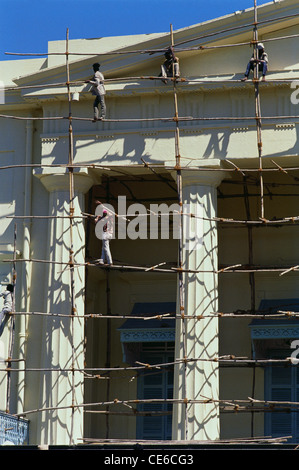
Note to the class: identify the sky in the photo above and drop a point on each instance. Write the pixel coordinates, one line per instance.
(27, 25)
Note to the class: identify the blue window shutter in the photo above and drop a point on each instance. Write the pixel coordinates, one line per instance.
(155, 384)
(282, 386)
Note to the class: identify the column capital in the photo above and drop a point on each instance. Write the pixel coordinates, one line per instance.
(208, 173)
(203, 177)
(58, 179)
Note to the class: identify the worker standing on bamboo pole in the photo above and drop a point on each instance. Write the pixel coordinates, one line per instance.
(99, 91)
(170, 67)
(7, 306)
(104, 231)
(262, 63)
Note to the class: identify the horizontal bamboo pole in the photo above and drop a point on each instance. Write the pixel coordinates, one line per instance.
(261, 221)
(230, 269)
(202, 81)
(161, 119)
(276, 168)
(170, 316)
(174, 270)
(170, 444)
(160, 50)
(221, 360)
(235, 405)
(234, 28)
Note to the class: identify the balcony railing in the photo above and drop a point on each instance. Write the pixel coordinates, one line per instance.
(13, 431)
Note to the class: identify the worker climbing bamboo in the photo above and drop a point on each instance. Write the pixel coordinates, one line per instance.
(261, 62)
(170, 67)
(7, 306)
(105, 232)
(98, 89)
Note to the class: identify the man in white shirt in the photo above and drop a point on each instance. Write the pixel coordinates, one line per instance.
(106, 236)
(7, 306)
(99, 91)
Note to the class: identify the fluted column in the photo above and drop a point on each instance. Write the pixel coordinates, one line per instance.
(62, 340)
(198, 339)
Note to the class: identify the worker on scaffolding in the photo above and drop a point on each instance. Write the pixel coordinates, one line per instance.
(170, 67)
(261, 62)
(99, 91)
(105, 232)
(7, 306)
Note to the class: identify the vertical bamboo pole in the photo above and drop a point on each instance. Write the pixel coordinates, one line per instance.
(108, 309)
(258, 108)
(12, 329)
(250, 245)
(180, 254)
(251, 279)
(71, 215)
(259, 146)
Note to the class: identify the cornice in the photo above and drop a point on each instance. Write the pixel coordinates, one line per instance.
(185, 129)
(141, 87)
(118, 64)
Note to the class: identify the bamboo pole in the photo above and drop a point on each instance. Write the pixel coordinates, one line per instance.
(162, 50)
(180, 277)
(175, 270)
(12, 329)
(71, 248)
(152, 166)
(265, 315)
(161, 119)
(258, 107)
(241, 441)
(235, 405)
(265, 222)
(259, 145)
(202, 81)
(229, 360)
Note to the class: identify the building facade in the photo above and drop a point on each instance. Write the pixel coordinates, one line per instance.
(170, 341)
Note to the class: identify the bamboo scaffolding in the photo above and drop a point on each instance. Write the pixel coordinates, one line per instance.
(251, 405)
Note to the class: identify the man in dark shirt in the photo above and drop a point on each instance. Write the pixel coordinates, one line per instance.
(262, 63)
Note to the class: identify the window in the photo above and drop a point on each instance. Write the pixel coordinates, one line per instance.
(151, 341)
(282, 384)
(156, 383)
(271, 339)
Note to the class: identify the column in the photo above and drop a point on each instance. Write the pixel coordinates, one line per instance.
(61, 340)
(198, 339)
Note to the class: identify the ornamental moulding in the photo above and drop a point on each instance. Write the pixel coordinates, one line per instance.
(275, 332)
(142, 336)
